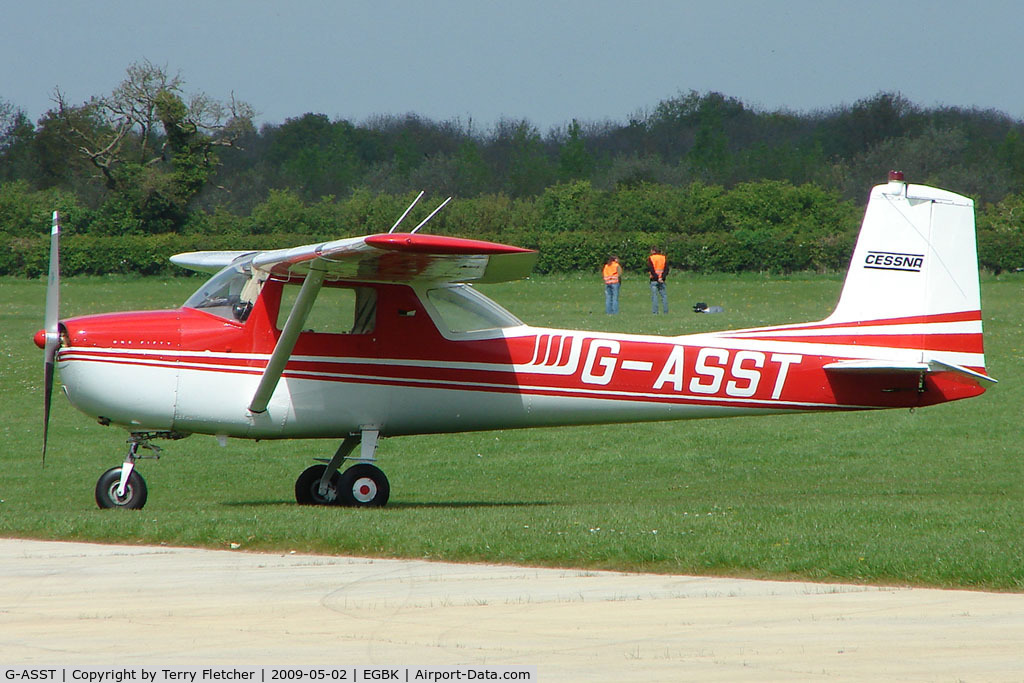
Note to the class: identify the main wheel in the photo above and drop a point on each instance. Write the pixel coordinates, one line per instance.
(134, 491)
(364, 485)
(307, 487)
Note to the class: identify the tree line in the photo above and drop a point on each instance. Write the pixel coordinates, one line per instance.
(729, 186)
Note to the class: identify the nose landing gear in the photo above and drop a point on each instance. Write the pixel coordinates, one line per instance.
(122, 487)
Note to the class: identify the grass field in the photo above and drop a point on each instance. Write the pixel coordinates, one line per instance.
(934, 497)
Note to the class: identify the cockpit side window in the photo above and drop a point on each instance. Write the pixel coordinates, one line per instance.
(229, 294)
(462, 309)
(336, 310)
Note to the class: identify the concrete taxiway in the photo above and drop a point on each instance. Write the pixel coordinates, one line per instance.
(98, 605)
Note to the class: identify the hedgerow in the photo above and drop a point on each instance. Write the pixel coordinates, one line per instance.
(769, 226)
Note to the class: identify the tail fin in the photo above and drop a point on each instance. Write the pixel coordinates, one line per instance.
(914, 275)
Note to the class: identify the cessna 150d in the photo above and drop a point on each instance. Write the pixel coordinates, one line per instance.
(376, 336)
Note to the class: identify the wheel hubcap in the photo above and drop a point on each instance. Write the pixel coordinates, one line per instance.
(120, 500)
(364, 489)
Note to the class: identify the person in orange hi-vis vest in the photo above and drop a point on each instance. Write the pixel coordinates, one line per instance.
(657, 268)
(612, 274)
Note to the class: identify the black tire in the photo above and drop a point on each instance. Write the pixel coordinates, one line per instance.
(364, 485)
(134, 492)
(307, 487)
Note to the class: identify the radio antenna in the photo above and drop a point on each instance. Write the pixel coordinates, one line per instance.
(431, 215)
(402, 217)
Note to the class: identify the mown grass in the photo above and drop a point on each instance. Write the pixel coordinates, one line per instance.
(934, 497)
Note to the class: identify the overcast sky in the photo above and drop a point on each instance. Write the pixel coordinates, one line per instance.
(547, 61)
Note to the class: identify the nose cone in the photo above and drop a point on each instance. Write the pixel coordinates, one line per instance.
(40, 339)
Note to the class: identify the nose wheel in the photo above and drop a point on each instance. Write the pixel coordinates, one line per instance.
(110, 494)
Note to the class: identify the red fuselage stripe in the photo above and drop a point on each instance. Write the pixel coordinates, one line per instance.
(954, 343)
(959, 317)
(469, 380)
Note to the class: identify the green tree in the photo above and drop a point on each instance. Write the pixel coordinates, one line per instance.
(574, 161)
(568, 207)
(710, 152)
(933, 157)
(16, 137)
(58, 161)
(472, 174)
(316, 157)
(529, 169)
(869, 122)
(1001, 234)
(1011, 153)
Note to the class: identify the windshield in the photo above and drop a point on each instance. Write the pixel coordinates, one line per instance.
(463, 309)
(229, 294)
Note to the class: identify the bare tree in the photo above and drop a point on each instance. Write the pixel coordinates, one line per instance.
(147, 118)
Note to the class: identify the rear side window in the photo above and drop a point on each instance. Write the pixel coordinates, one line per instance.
(463, 309)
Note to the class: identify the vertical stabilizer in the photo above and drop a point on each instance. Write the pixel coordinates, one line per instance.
(915, 269)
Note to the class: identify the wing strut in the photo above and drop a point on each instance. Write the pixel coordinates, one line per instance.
(286, 342)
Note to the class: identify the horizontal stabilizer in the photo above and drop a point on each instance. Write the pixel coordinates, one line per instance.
(876, 366)
(939, 366)
(881, 366)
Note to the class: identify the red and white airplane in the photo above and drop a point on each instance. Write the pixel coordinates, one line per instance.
(376, 336)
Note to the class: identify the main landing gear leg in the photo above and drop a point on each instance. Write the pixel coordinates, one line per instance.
(362, 485)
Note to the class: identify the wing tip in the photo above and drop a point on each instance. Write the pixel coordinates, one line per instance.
(206, 261)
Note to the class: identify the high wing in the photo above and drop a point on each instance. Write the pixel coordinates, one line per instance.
(391, 257)
(394, 257)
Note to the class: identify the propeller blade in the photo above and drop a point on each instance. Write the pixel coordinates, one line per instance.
(50, 325)
(47, 394)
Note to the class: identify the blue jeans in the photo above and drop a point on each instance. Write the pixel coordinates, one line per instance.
(611, 298)
(656, 289)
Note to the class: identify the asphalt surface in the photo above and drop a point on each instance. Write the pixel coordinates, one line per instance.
(97, 605)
